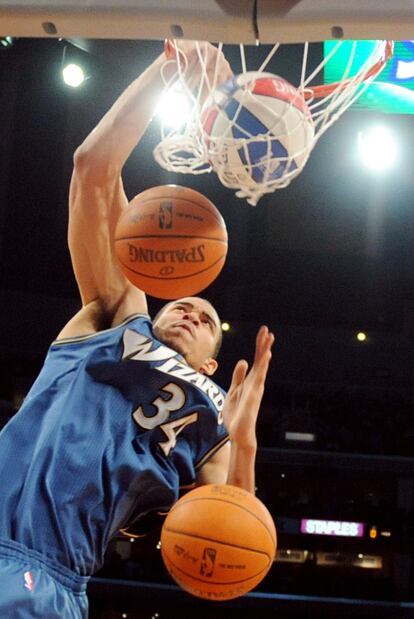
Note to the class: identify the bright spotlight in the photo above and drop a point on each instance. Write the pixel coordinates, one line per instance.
(377, 148)
(173, 108)
(361, 336)
(73, 75)
(6, 42)
(225, 326)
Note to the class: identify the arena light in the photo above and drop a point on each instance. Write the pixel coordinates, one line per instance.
(173, 108)
(342, 559)
(73, 75)
(368, 562)
(225, 326)
(291, 556)
(306, 437)
(361, 336)
(6, 42)
(377, 148)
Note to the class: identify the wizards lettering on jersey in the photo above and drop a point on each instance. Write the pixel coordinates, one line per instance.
(138, 347)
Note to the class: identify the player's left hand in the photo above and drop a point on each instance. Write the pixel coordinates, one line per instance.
(203, 65)
(242, 403)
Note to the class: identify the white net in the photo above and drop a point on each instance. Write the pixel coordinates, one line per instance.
(257, 130)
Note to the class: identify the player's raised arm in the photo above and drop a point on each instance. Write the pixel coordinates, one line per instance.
(235, 462)
(97, 196)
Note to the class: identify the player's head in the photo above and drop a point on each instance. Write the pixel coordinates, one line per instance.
(191, 326)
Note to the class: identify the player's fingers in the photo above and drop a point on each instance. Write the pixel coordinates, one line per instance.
(239, 374)
(263, 355)
(264, 343)
(216, 68)
(169, 49)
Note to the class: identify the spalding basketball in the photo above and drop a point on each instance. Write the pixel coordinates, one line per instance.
(268, 122)
(218, 542)
(171, 241)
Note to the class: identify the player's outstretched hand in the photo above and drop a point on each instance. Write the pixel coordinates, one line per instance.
(193, 56)
(244, 397)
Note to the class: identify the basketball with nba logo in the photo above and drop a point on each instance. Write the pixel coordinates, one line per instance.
(218, 542)
(171, 241)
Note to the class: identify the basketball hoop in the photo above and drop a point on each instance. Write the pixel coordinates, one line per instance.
(221, 132)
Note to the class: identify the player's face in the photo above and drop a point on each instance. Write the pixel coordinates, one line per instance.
(192, 327)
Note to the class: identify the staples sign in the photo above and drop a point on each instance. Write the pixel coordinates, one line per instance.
(335, 528)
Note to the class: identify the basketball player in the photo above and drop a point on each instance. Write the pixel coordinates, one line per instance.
(124, 412)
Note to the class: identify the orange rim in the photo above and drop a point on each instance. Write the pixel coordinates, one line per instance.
(317, 92)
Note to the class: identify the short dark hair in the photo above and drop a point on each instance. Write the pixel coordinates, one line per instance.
(219, 341)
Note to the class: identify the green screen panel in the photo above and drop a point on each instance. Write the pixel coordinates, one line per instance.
(393, 89)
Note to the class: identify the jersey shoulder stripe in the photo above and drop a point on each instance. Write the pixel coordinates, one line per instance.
(89, 336)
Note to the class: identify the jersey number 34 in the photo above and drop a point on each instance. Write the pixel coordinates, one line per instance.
(163, 408)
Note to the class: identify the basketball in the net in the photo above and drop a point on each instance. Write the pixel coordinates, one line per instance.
(171, 241)
(264, 123)
(218, 542)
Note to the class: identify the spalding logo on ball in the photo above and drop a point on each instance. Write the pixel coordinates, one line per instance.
(171, 241)
(218, 542)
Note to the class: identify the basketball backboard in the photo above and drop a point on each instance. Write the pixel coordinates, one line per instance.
(229, 21)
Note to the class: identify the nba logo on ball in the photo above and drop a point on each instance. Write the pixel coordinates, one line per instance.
(258, 128)
(165, 216)
(207, 562)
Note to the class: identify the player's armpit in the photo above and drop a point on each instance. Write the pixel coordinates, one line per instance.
(215, 471)
(93, 317)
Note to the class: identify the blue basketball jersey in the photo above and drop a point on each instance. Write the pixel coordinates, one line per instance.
(115, 423)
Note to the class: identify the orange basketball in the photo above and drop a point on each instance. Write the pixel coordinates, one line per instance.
(218, 542)
(171, 241)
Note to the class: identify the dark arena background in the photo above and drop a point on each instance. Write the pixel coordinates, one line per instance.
(327, 258)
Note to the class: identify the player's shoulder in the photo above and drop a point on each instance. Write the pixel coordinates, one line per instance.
(90, 323)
